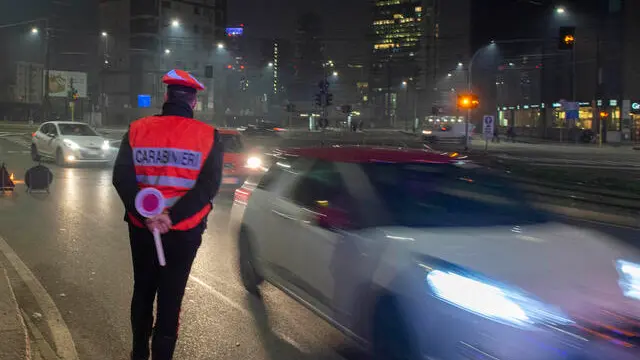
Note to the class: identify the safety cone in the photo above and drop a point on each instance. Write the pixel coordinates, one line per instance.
(6, 184)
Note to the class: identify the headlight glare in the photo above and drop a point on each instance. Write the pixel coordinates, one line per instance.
(105, 145)
(492, 301)
(629, 278)
(71, 144)
(254, 162)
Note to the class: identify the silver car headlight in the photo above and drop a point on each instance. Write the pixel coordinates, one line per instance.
(493, 301)
(629, 278)
(71, 144)
(105, 146)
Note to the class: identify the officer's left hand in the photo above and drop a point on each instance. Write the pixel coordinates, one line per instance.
(161, 222)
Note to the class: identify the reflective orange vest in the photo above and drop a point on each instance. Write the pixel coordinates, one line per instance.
(168, 154)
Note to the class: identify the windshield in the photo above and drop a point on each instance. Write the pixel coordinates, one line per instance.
(76, 130)
(418, 195)
(232, 143)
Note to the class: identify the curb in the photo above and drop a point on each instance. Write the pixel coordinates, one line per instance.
(15, 342)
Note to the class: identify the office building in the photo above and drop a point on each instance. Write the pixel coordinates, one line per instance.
(417, 45)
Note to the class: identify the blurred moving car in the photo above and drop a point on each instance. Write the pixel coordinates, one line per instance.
(262, 129)
(70, 143)
(421, 256)
(239, 162)
(442, 133)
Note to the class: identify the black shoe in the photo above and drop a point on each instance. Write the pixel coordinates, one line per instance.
(135, 357)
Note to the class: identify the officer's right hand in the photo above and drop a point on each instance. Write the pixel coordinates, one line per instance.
(161, 222)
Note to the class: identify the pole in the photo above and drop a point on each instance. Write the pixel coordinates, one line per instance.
(47, 65)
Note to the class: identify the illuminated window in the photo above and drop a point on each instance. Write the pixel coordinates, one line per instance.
(398, 16)
(418, 8)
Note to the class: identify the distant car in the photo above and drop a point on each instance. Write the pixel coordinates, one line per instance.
(447, 133)
(417, 255)
(262, 129)
(70, 143)
(239, 162)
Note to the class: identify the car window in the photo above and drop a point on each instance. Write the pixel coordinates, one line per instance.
(280, 167)
(322, 185)
(444, 195)
(44, 129)
(76, 130)
(232, 143)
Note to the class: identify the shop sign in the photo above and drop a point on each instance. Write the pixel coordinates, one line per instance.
(613, 102)
(599, 103)
(556, 105)
(635, 107)
(584, 103)
(525, 107)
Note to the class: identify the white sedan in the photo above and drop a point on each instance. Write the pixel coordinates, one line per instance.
(69, 143)
(417, 256)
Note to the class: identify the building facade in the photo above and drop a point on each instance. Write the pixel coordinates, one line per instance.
(156, 36)
(598, 75)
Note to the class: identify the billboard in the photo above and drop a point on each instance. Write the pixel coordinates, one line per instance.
(235, 31)
(62, 82)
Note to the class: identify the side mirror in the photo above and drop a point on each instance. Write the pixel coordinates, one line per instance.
(333, 219)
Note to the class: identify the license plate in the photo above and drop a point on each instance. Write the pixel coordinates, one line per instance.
(230, 180)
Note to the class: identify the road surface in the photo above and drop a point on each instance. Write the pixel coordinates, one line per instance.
(75, 243)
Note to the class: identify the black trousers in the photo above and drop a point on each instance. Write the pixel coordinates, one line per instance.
(168, 282)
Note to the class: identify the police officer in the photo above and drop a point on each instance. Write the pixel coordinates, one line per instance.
(182, 158)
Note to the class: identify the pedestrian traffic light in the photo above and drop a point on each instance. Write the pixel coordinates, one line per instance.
(567, 37)
(468, 101)
(329, 99)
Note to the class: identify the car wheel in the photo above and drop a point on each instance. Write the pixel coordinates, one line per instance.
(392, 339)
(35, 156)
(250, 277)
(60, 158)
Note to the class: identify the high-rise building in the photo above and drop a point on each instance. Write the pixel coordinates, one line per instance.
(156, 36)
(416, 46)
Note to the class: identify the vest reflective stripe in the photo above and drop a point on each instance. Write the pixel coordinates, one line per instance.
(168, 154)
(166, 181)
(169, 157)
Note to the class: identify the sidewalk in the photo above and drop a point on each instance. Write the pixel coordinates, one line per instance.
(14, 341)
(554, 146)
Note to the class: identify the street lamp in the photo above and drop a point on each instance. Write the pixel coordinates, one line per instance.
(270, 64)
(34, 30)
(560, 10)
(175, 23)
(460, 64)
(104, 34)
(167, 51)
(449, 75)
(220, 45)
(404, 83)
(335, 73)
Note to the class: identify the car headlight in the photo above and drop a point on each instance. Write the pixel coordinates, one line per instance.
(492, 301)
(629, 278)
(106, 146)
(427, 132)
(71, 144)
(254, 162)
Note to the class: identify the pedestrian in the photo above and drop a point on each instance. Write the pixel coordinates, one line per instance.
(183, 158)
(496, 135)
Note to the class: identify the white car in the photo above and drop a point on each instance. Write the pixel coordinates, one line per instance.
(70, 143)
(447, 133)
(418, 256)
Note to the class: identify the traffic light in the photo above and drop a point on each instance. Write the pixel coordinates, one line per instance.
(468, 101)
(318, 98)
(329, 99)
(567, 37)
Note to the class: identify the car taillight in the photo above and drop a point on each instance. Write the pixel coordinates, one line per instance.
(242, 195)
(33, 135)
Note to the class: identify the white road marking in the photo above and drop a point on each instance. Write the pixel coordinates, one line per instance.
(220, 295)
(62, 340)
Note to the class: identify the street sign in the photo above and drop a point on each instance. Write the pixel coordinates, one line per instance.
(488, 125)
(149, 203)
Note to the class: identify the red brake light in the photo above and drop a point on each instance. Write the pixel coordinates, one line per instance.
(33, 134)
(242, 195)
